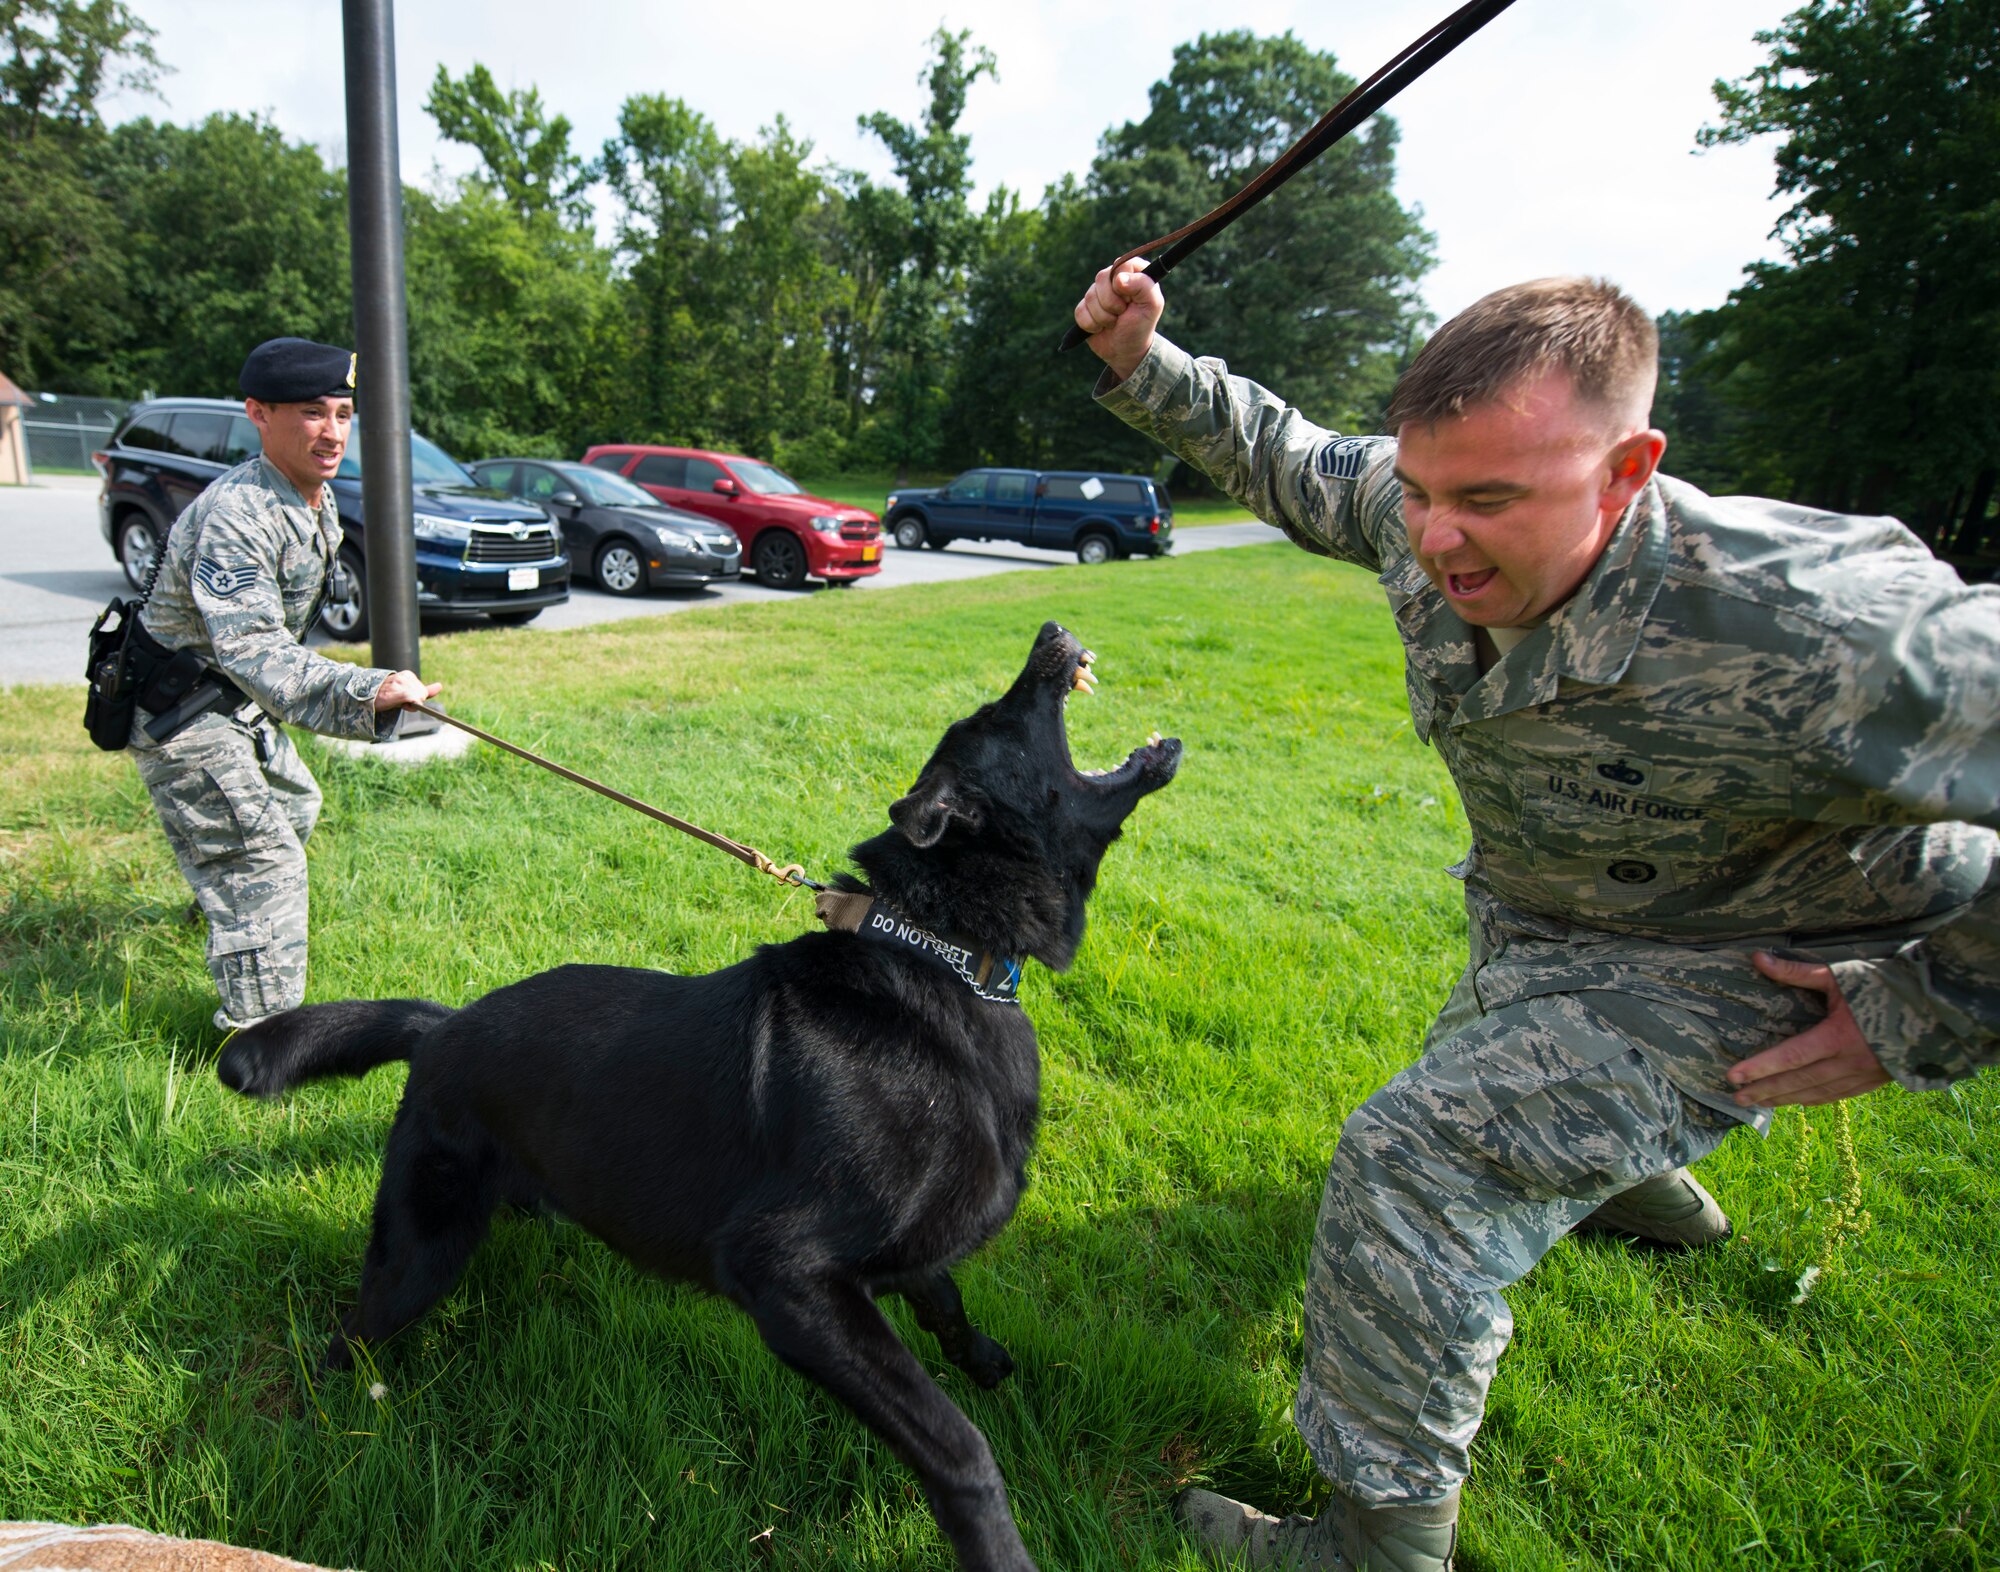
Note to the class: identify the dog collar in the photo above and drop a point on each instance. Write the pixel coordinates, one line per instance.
(995, 978)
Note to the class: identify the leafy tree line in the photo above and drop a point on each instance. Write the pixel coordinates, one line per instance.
(1862, 373)
(745, 294)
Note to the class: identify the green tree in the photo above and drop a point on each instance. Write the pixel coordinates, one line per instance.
(1868, 363)
(1314, 292)
(527, 156)
(512, 310)
(781, 294)
(859, 234)
(232, 235)
(511, 322)
(924, 241)
(669, 169)
(61, 263)
(58, 55)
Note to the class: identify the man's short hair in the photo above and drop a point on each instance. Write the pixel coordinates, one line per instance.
(1587, 327)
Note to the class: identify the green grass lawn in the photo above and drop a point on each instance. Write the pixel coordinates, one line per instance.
(1267, 944)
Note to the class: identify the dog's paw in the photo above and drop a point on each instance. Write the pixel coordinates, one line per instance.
(248, 1063)
(237, 1068)
(339, 1357)
(989, 1364)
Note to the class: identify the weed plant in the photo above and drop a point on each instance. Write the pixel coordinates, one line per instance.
(1267, 945)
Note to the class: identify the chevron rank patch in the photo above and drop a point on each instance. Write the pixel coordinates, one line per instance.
(1344, 458)
(223, 582)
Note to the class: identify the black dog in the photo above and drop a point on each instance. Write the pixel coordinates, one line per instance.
(836, 1117)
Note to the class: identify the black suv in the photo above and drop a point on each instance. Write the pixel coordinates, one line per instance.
(1098, 516)
(476, 552)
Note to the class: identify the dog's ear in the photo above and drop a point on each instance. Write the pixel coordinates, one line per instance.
(934, 804)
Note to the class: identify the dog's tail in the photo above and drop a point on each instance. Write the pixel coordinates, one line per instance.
(348, 1038)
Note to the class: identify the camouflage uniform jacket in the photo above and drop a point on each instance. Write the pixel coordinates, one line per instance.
(1753, 723)
(240, 580)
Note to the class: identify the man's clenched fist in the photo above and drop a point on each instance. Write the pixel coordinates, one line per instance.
(1119, 312)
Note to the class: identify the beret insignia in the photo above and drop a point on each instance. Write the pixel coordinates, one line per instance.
(224, 583)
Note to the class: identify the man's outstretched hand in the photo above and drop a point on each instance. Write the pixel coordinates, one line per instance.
(1119, 313)
(404, 687)
(1823, 1063)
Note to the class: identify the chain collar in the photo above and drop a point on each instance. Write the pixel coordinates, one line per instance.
(994, 978)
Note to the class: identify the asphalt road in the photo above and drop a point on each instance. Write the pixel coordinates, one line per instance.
(56, 573)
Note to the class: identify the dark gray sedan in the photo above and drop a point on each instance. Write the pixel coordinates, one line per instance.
(619, 536)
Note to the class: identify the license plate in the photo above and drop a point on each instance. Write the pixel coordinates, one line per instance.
(870, 553)
(523, 578)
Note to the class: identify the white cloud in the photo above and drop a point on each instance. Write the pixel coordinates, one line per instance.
(1560, 139)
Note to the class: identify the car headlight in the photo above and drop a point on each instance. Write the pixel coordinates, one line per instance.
(890, 505)
(673, 539)
(825, 525)
(441, 532)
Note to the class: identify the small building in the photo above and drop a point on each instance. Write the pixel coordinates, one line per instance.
(14, 469)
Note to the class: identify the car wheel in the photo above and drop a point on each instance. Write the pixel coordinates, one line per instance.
(1093, 549)
(620, 570)
(138, 549)
(779, 559)
(515, 619)
(347, 619)
(910, 533)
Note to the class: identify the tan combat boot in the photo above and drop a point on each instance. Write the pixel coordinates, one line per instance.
(1413, 1536)
(1672, 1211)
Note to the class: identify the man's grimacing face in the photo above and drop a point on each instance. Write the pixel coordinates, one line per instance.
(305, 440)
(1510, 504)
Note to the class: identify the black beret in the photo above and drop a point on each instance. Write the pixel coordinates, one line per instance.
(293, 370)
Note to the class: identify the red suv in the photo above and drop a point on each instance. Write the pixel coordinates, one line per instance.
(787, 535)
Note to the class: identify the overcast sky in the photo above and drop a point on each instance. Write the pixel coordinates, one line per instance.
(1559, 139)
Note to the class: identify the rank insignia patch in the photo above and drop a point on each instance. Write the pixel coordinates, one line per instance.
(222, 582)
(1344, 459)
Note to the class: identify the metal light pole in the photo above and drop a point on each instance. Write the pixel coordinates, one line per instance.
(381, 324)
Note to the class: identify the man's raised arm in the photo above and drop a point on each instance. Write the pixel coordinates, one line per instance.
(1333, 495)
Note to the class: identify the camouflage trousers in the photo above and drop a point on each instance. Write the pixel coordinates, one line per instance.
(238, 803)
(1566, 1067)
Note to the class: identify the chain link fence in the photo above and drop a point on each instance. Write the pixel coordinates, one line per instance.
(63, 432)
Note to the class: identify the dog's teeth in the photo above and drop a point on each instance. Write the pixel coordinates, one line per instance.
(1084, 680)
(1152, 738)
(1089, 657)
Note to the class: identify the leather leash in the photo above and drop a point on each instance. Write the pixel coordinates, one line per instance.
(1337, 122)
(789, 873)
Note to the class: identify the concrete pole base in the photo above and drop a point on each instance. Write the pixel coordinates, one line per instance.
(442, 742)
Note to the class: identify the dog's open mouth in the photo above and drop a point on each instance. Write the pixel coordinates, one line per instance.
(1156, 756)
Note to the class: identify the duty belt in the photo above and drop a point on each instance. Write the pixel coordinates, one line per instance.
(176, 687)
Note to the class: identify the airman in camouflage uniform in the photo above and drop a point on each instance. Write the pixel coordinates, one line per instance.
(240, 581)
(1751, 728)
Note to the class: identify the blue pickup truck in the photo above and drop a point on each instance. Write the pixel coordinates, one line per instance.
(1097, 516)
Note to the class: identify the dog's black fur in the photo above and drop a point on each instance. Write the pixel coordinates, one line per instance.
(830, 1119)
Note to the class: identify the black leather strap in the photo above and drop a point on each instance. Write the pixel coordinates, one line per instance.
(1335, 124)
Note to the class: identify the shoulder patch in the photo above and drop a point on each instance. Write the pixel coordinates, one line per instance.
(222, 582)
(1344, 458)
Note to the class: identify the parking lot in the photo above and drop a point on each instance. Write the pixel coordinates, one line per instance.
(56, 573)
